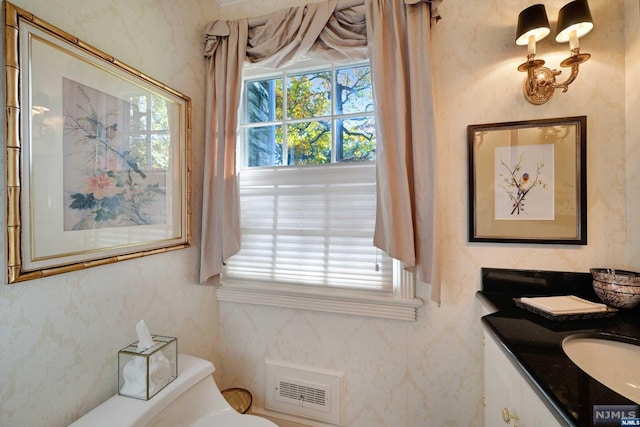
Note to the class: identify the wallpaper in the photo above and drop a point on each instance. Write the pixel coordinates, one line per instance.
(429, 373)
(60, 335)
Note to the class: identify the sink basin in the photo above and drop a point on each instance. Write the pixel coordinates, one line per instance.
(613, 361)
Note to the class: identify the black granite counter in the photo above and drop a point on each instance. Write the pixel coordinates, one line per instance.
(535, 343)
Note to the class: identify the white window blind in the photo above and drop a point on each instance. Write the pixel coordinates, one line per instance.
(310, 225)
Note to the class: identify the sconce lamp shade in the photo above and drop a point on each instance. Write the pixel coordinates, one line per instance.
(574, 16)
(532, 21)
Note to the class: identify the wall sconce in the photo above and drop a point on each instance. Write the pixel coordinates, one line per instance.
(574, 21)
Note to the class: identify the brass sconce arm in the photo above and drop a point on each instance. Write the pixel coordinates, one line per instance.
(541, 81)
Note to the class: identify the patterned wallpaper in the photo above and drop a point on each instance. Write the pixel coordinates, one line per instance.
(60, 335)
(429, 373)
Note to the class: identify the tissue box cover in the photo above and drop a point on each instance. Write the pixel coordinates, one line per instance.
(144, 372)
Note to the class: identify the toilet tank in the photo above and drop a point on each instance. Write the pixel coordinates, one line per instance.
(191, 395)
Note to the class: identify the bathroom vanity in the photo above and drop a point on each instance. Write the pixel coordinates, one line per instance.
(529, 380)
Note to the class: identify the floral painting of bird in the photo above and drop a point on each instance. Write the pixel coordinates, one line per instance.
(518, 183)
(105, 182)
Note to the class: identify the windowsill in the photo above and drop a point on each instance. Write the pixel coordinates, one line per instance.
(333, 301)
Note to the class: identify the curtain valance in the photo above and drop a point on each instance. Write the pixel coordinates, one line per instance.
(316, 31)
(344, 29)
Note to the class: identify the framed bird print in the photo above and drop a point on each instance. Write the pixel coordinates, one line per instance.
(527, 181)
(97, 155)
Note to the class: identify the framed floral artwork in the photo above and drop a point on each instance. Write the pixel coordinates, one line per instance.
(527, 181)
(97, 155)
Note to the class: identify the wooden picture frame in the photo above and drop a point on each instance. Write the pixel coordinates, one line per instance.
(527, 181)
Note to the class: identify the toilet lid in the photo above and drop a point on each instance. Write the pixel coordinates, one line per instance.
(233, 419)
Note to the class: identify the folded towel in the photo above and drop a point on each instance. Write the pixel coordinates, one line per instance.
(566, 304)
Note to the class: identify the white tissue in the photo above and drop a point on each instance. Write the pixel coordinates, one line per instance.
(144, 336)
(135, 370)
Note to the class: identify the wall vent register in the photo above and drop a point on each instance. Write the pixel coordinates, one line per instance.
(305, 392)
(316, 394)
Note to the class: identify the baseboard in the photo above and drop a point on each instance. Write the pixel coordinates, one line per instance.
(296, 421)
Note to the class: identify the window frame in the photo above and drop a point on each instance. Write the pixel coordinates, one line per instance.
(402, 304)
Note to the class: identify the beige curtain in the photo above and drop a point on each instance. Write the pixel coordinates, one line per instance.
(288, 34)
(433, 7)
(398, 39)
(225, 49)
(314, 31)
(403, 94)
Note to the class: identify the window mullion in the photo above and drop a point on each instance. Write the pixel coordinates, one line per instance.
(285, 117)
(334, 135)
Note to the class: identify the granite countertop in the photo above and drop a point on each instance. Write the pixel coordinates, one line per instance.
(534, 343)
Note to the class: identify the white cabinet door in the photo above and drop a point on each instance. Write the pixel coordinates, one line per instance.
(509, 400)
(502, 388)
(534, 411)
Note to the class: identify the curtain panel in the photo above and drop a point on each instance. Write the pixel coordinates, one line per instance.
(399, 45)
(225, 50)
(433, 7)
(396, 37)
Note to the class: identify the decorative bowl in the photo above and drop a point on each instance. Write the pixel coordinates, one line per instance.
(617, 288)
(620, 277)
(615, 298)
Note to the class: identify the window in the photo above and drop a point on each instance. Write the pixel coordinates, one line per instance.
(308, 197)
(315, 117)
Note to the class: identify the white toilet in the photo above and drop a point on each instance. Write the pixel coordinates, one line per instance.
(191, 400)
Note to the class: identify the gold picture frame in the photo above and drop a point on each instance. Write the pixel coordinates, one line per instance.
(98, 155)
(528, 181)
